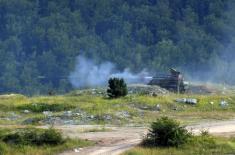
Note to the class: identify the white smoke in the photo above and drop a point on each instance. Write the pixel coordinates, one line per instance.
(89, 74)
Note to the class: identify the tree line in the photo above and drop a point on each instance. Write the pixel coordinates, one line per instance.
(39, 39)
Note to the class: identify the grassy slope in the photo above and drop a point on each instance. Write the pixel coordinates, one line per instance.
(140, 107)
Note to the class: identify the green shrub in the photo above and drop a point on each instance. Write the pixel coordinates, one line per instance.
(117, 88)
(34, 137)
(166, 132)
(52, 137)
(40, 107)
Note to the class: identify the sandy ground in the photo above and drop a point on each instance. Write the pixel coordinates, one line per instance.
(120, 139)
(112, 142)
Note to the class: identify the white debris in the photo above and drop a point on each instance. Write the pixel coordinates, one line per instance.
(158, 108)
(91, 116)
(68, 113)
(211, 103)
(47, 113)
(187, 100)
(76, 150)
(26, 111)
(77, 114)
(223, 103)
(123, 114)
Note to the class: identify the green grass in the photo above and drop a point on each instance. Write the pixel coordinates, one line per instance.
(40, 107)
(199, 145)
(36, 141)
(99, 105)
(41, 150)
(141, 110)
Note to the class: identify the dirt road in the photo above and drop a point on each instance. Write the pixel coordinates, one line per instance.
(114, 141)
(120, 139)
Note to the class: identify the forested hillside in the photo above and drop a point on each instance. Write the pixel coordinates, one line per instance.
(40, 39)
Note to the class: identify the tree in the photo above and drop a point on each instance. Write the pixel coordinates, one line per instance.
(117, 88)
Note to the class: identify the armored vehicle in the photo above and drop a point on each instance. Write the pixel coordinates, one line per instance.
(172, 82)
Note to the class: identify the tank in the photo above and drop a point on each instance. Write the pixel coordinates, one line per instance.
(173, 82)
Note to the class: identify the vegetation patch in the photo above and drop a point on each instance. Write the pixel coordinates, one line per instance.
(197, 145)
(117, 88)
(40, 107)
(36, 141)
(166, 132)
(34, 137)
(202, 144)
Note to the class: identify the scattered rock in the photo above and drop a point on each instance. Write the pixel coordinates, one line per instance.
(223, 104)
(150, 90)
(31, 121)
(12, 116)
(69, 122)
(91, 117)
(26, 111)
(158, 108)
(47, 113)
(28, 121)
(76, 150)
(68, 113)
(123, 114)
(187, 100)
(107, 117)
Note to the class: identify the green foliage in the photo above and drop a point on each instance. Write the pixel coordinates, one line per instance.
(36, 141)
(166, 132)
(40, 107)
(34, 137)
(117, 88)
(201, 144)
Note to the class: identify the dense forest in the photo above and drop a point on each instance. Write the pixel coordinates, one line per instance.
(40, 39)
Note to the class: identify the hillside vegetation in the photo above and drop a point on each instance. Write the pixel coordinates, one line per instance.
(203, 145)
(39, 39)
(90, 108)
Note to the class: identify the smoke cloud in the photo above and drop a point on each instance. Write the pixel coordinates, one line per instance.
(89, 74)
(221, 69)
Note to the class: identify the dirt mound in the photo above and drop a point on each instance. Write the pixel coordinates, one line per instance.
(132, 89)
(146, 89)
(205, 88)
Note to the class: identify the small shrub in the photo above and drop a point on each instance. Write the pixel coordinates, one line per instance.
(40, 107)
(166, 132)
(117, 88)
(34, 137)
(14, 138)
(52, 137)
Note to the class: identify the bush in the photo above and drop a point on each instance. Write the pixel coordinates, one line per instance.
(34, 137)
(166, 132)
(51, 137)
(40, 107)
(117, 88)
